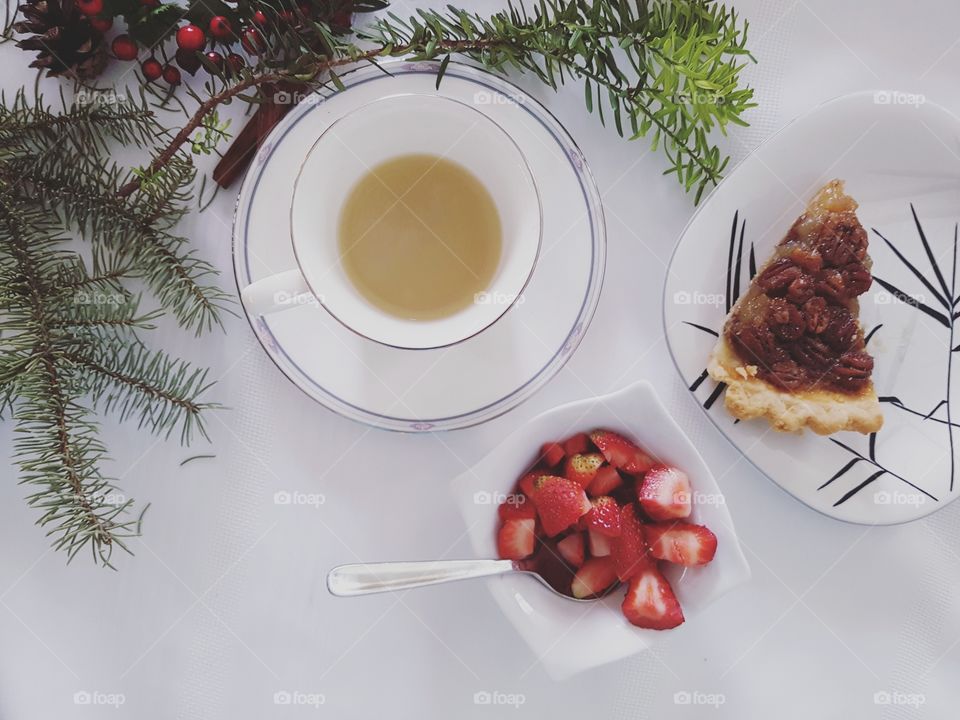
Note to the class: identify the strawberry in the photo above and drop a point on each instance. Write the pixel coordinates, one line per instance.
(516, 507)
(650, 602)
(596, 575)
(681, 543)
(526, 483)
(577, 444)
(664, 493)
(599, 544)
(560, 503)
(515, 539)
(571, 549)
(629, 551)
(583, 468)
(551, 454)
(604, 516)
(621, 453)
(606, 479)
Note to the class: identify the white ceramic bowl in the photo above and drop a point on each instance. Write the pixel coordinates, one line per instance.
(569, 637)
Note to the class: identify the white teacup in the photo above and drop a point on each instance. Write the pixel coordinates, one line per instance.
(343, 154)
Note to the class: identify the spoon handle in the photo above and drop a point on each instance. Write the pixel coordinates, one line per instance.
(367, 578)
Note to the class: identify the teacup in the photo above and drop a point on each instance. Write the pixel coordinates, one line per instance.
(389, 127)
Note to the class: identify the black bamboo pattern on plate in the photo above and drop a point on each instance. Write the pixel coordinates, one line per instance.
(945, 295)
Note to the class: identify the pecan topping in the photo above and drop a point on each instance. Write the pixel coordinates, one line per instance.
(812, 353)
(830, 285)
(785, 320)
(842, 239)
(856, 278)
(809, 260)
(776, 278)
(815, 315)
(786, 374)
(801, 290)
(853, 370)
(756, 344)
(841, 330)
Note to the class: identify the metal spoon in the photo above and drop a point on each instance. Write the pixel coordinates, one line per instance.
(369, 578)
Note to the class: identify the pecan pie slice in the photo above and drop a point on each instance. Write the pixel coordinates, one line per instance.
(792, 349)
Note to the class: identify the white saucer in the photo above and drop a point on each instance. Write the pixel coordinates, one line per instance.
(483, 376)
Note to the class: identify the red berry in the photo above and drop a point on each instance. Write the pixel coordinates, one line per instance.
(216, 60)
(260, 18)
(287, 16)
(252, 41)
(236, 62)
(220, 28)
(90, 7)
(188, 60)
(150, 3)
(342, 19)
(152, 69)
(171, 75)
(191, 37)
(101, 24)
(124, 47)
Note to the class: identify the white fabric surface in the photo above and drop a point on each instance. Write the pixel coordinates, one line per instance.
(224, 604)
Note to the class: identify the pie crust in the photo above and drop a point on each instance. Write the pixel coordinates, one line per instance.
(825, 409)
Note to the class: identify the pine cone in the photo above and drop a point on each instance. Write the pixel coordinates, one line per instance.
(65, 42)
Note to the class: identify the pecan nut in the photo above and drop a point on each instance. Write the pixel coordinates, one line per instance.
(756, 344)
(853, 370)
(787, 375)
(812, 353)
(777, 277)
(785, 320)
(815, 315)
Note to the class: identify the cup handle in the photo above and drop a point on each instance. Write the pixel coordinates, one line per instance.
(276, 292)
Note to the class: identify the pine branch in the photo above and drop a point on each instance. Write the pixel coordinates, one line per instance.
(69, 335)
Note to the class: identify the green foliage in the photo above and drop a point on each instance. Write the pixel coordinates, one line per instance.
(667, 70)
(70, 343)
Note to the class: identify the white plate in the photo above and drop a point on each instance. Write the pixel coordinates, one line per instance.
(479, 378)
(897, 154)
(569, 637)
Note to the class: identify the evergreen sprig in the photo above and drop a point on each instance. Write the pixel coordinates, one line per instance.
(70, 344)
(668, 70)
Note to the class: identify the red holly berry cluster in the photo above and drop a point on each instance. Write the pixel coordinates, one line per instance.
(212, 46)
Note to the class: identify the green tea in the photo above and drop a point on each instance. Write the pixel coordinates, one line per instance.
(420, 237)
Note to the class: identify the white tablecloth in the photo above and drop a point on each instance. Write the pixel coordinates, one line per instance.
(224, 606)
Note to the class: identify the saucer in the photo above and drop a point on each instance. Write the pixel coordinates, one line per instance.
(471, 381)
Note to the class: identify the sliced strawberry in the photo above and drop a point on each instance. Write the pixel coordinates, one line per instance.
(526, 483)
(599, 544)
(605, 481)
(596, 575)
(579, 443)
(551, 454)
(680, 542)
(604, 516)
(664, 493)
(650, 602)
(629, 551)
(515, 539)
(516, 507)
(560, 503)
(621, 453)
(583, 468)
(571, 549)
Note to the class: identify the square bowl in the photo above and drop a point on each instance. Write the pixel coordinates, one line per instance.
(570, 637)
